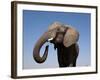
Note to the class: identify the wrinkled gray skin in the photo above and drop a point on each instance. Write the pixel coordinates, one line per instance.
(64, 38)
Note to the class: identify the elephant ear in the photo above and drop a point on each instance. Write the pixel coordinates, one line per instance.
(71, 37)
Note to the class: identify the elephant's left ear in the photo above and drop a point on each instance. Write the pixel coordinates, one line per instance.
(71, 37)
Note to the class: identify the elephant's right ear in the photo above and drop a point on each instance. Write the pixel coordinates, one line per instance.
(71, 37)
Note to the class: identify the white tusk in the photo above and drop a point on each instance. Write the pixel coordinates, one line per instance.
(50, 39)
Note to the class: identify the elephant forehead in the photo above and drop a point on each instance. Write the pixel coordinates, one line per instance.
(55, 25)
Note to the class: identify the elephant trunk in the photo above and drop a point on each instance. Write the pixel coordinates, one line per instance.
(36, 52)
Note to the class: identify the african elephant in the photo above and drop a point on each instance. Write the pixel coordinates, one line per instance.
(64, 38)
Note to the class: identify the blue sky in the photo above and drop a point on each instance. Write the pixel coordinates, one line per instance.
(35, 23)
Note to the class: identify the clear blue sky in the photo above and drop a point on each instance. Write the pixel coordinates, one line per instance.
(37, 22)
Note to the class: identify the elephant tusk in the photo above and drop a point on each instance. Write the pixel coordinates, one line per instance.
(50, 39)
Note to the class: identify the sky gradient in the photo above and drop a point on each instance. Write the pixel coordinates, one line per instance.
(35, 23)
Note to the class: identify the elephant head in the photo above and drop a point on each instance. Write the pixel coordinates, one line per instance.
(56, 33)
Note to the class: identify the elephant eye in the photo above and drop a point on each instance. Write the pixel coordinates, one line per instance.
(58, 29)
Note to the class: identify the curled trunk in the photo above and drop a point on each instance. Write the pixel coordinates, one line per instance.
(38, 46)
